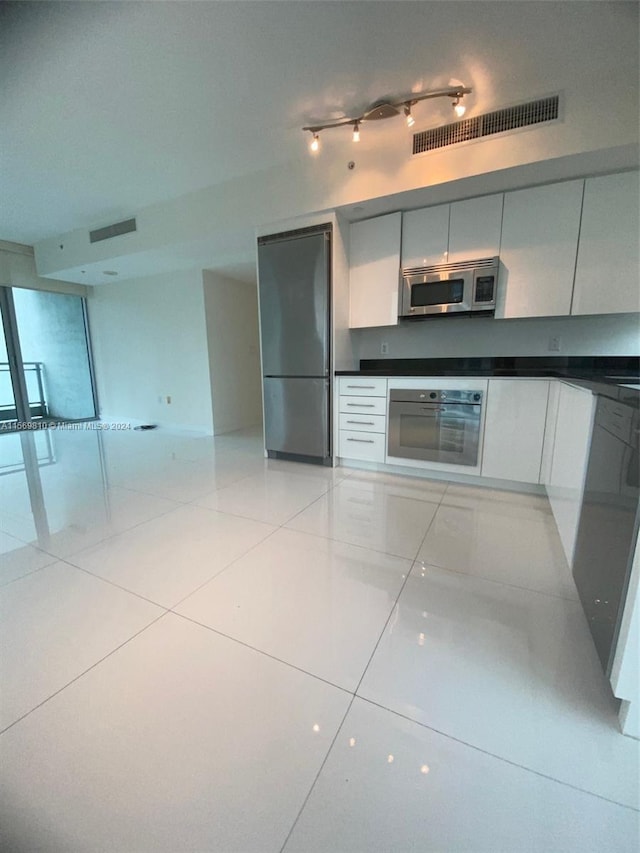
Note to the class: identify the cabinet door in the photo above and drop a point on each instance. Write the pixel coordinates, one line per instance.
(425, 236)
(514, 429)
(608, 256)
(549, 432)
(374, 271)
(474, 228)
(538, 250)
(574, 423)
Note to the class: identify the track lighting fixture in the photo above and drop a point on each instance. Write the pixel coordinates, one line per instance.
(388, 109)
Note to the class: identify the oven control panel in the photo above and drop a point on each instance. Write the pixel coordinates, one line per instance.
(410, 395)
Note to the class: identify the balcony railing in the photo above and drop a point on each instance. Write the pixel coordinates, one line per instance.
(33, 373)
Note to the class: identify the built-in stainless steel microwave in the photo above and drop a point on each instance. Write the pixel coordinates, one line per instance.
(463, 287)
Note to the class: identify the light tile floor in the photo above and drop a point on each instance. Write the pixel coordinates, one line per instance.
(206, 651)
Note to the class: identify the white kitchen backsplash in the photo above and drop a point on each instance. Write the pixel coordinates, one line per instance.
(608, 334)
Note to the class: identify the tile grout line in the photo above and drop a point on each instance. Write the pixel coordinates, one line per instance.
(261, 652)
(493, 755)
(490, 580)
(27, 574)
(276, 527)
(395, 603)
(68, 559)
(116, 533)
(354, 696)
(84, 672)
(463, 574)
(113, 584)
(228, 566)
(352, 544)
(317, 776)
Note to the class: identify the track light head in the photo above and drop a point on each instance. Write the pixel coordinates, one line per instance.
(356, 132)
(458, 108)
(410, 119)
(315, 143)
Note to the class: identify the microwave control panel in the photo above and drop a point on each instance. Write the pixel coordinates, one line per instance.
(484, 288)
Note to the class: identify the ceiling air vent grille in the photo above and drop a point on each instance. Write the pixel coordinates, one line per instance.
(114, 230)
(499, 121)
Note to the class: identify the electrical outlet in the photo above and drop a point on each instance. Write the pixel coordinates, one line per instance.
(168, 398)
(554, 344)
(384, 348)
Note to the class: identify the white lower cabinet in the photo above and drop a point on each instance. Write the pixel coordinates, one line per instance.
(362, 418)
(565, 486)
(514, 429)
(535, 431)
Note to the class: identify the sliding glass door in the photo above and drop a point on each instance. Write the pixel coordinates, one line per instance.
(8, 413)
(45, 359)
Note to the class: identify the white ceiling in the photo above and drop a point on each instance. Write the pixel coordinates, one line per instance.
(109, 107)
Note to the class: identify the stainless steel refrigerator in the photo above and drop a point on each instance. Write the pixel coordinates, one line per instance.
(294, 282)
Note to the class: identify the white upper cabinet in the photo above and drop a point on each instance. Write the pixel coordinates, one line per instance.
(462, 231)
(516, 413)
(608, 257)
(425, 236)
(374, 271)
(474, 228)
(538, 251)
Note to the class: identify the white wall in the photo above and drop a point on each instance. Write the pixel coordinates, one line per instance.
(150, 342)
(610, 334)
(231, 309)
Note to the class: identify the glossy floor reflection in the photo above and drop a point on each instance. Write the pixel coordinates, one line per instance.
(205, 650)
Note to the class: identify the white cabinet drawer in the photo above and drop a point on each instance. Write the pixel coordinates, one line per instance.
(364, 423)
(363, 405)
(369, 447)
(355, 386)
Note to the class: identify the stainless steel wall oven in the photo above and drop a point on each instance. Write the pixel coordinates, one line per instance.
(435, 425)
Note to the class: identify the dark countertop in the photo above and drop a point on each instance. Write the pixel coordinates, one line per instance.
(603, 375)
